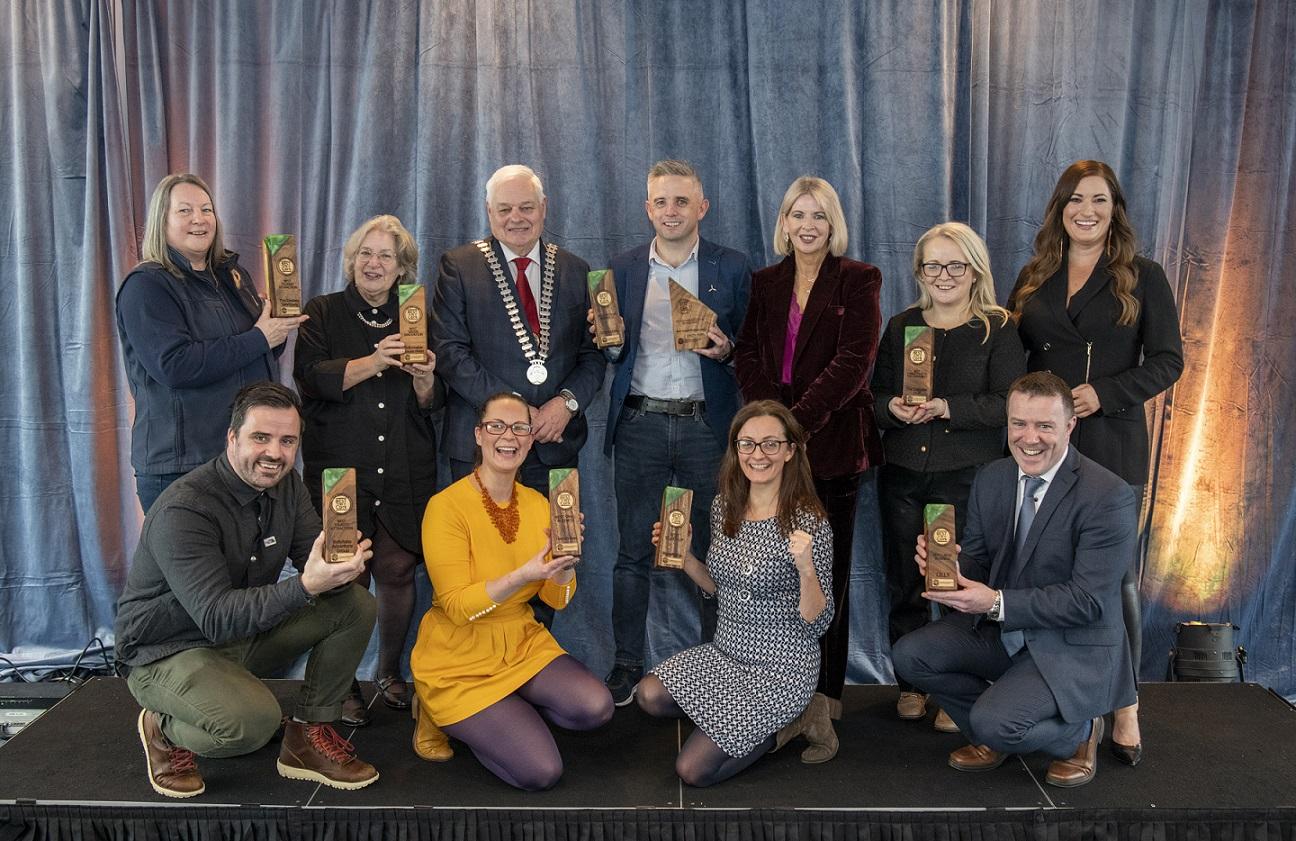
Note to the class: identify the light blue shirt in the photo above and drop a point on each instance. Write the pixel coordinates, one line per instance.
(1047, 476)
(660, 371)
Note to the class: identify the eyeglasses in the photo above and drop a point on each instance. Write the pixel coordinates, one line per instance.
(497, 427)
(954, 269)
(769, 446)
(387, 258)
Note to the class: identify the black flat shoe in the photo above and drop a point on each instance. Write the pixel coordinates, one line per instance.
(1130, 756)
(394, 691)
(355, 712)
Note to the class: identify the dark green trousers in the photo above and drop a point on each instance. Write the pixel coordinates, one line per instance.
(212, 700)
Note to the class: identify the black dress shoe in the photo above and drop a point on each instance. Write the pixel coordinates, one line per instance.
(355, 712)
(1131, 756)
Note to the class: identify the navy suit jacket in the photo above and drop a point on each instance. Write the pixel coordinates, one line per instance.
(724, 285)
(478, 354)
(1064, 593)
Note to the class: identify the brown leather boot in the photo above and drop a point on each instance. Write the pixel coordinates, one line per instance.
(818, 730)
(316, 752)
(172, 770)
(429, 742)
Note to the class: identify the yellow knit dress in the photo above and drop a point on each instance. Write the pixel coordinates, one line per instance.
(470, 651)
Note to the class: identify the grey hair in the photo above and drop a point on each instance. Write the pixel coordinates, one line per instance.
(504, 173)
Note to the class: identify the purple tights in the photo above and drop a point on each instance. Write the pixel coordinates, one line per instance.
(510, 736)
(701, 762)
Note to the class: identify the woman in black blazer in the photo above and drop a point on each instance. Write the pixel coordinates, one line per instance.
(933, 449)
(364, 409)
(1096, 314)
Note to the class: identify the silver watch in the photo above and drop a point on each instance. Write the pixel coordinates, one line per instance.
(996, 610)
(569, 400)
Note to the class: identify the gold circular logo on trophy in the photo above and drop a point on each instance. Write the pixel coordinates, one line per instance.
(941, 536)
(413, 315)
(286, 266)
(341, 504)
(676, 518)
(603, 298)
(565, 500)
(917, 356)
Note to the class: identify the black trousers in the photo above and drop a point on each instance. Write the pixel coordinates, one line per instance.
(838, 496)
(902, 495)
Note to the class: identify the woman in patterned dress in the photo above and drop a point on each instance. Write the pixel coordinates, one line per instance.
(770, 566)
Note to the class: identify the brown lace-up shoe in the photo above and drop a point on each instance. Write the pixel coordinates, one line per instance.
(976, 758)
(316, 752)
(912, 705)
(172, 770)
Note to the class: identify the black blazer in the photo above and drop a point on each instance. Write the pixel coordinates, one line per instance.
(1126, 365)
(342, 428)
(972, 373)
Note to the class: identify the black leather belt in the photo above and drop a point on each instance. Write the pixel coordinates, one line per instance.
(678, 408)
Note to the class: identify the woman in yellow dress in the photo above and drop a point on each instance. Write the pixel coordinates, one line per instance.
(485, 671)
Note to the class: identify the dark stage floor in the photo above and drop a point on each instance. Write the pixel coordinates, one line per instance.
(1209, 746)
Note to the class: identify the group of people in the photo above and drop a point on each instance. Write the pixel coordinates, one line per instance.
(773, 426)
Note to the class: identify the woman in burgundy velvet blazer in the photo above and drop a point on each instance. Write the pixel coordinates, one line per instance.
(809, 341)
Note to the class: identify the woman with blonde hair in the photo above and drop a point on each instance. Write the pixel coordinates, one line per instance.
(363, 408)
(809, 341)
(934, 448)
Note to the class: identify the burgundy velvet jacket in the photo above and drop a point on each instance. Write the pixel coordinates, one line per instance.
(831, 364)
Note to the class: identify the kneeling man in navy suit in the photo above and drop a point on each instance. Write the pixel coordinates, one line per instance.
(1034, 651)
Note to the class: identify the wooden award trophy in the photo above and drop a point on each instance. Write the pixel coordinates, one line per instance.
(920, 344)
(942, 558)
(413, 322)
(609, 326)
(672, 540)
(690, 318)
(564, 511)
(283, 286)
(339, 504)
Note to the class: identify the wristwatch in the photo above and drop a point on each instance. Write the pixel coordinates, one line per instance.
(995, 613)
(569, 400)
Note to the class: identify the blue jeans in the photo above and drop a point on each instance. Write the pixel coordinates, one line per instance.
(651, 451)
(149, 486)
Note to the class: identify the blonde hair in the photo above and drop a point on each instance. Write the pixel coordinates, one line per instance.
(406, 250)
(155, 247)
(822, 192)
(981, 296)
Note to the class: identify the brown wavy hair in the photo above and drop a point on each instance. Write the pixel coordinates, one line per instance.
(1052, 242)
(796, 489)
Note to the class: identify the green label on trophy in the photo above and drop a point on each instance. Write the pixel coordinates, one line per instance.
(283, 285)
(413, 323)
(919, 354)
(339, 504)
(672, 540)
(609, 327)
(691, 320)
(564, 511)
(942, 557)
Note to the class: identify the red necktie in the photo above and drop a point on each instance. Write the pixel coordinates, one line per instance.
(525, 296)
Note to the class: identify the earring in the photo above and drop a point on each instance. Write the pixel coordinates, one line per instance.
(789, 242)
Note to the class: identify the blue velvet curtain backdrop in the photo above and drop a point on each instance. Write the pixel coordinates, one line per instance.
(309, 117)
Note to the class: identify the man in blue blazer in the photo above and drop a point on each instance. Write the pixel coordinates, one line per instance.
(509, 315)
(669, 412)
(1034, 653)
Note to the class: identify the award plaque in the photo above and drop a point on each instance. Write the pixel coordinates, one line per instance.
(942, 558)
(690, 318)
(283, 286)
(564, 511)
(919, 349)
(671, 542)
(339, 504)
(413, 323)
(609, 327)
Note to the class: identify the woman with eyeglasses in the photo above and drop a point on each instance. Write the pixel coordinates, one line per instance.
(363, 408)
(770, 567)
(1098, 315)
(934, 448)
(809, 341)
(485, 671)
